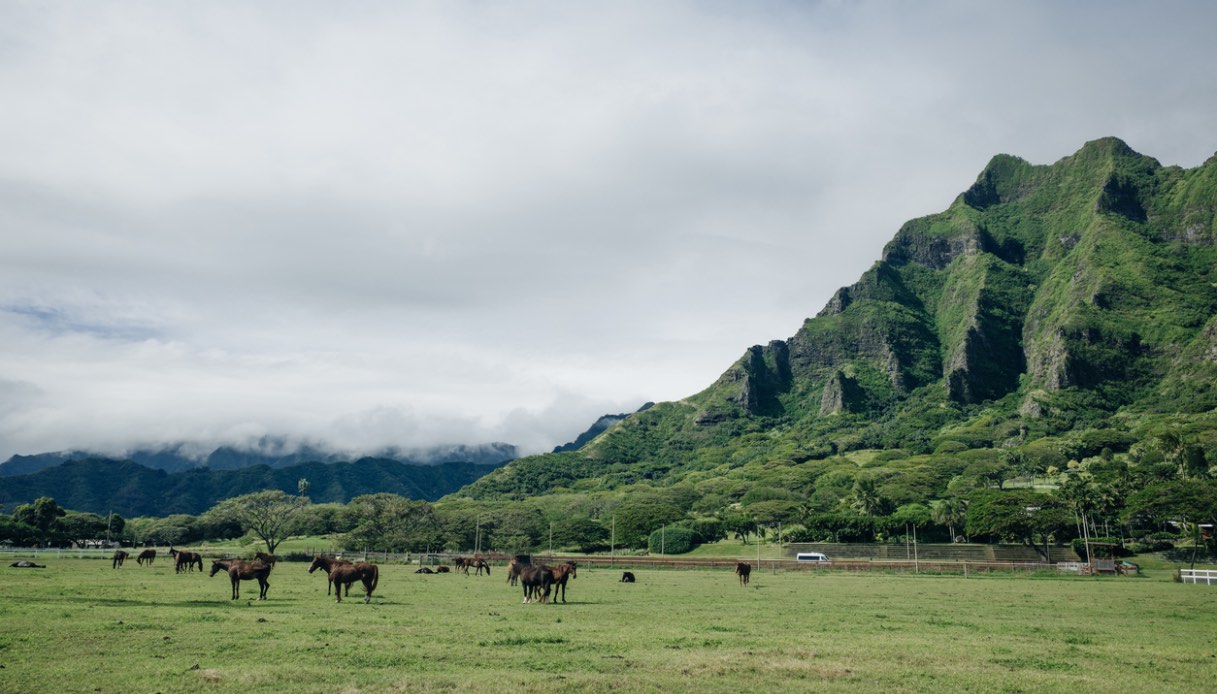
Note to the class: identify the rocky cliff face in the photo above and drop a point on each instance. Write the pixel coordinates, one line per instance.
(1036, 279)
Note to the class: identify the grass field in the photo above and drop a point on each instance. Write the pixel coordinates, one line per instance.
(79, 626)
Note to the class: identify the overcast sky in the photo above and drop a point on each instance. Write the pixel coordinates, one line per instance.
(371, 224)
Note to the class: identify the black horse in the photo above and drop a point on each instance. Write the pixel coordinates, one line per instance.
(537, 582)
(119, 557)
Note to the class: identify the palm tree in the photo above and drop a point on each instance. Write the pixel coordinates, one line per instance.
(948, 512)
(866, 497)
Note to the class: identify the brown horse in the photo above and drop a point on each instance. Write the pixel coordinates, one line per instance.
(441, 570)
(536, 581)
(265, 558)
(744, 570)
(327, 565)
(479, 564)
(461, 565)
(345, 575)
(186, 561)
(148, 555)
(243, 571)
(561, 574)
(119, 557)
(513, 571)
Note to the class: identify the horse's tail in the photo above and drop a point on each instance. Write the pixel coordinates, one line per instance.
(375, 578)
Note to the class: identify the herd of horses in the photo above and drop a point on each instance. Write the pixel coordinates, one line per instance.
(537, 582)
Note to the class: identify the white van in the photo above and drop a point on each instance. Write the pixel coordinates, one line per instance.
(810, 556)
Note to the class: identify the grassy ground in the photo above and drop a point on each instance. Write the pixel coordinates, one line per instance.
(78, 625)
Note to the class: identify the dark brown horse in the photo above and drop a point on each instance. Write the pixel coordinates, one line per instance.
(184, 560)
(744, 570)
(441, 570)
(536, 581)
(561, 574)
(327, 565)
(119, 557)
(148, 555)
(265, 558)
(239, 570)
(345, 575)
(461, 565)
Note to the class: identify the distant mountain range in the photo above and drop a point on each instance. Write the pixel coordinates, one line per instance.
(170, 480)
(271, 452)
(102, 485)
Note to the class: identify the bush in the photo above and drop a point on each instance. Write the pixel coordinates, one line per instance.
(673, 540)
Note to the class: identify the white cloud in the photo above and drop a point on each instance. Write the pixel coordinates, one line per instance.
(433, 223)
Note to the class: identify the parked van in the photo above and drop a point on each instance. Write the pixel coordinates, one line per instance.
(810, 556)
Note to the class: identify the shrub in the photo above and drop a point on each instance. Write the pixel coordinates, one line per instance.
(673, 540)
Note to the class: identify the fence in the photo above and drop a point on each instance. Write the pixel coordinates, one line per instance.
(964, 568)
(1206, 576)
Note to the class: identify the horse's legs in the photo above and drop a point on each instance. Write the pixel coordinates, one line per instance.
(263, 584)
(236, 588)
(367, 586)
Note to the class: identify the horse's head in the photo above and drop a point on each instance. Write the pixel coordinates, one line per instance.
(319, 562)
(574, 569)
(218, 566)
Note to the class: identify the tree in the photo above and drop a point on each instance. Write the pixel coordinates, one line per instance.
(41, 514)
(867, 500)
(391, 522)
(271, 514)
(1003, 515)
(581, 532)
(949, 513)
(1191, 503)
(82, 527)
(637, 517)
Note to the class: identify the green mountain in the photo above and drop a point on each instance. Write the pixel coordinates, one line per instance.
(99, 485)
(1051, 313)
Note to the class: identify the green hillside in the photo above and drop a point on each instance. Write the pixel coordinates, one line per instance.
(1053, 318)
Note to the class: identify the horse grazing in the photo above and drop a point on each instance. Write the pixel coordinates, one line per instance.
(347, 574)
(239, 570)
(148, 555)
(119, 557)
(479, 564)
(186, 561)
(744, 570)
(627, 577)
(536, 581)
(561, 574)
(327, 565)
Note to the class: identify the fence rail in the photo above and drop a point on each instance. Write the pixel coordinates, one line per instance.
(964, 568)
(1206, 576)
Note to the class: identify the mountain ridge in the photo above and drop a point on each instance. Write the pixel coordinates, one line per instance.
(1044, 302)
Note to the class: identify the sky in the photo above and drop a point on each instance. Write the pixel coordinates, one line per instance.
(409, 224)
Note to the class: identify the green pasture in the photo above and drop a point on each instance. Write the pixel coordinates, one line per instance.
(79, 626)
